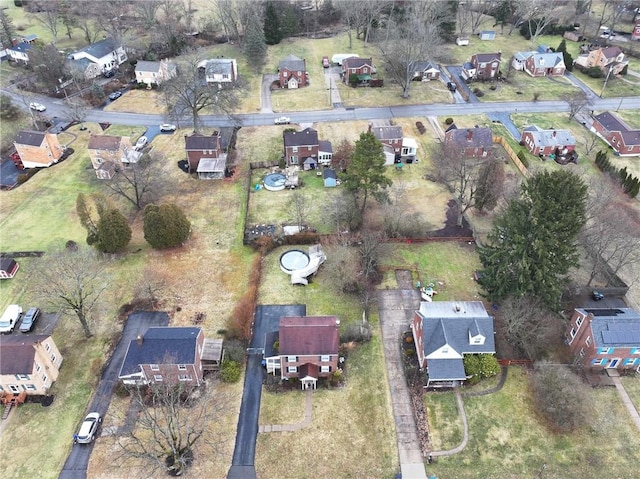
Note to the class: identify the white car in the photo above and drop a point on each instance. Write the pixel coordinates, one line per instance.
(37, 106)
(141, 143)
(168, 127)
(88, 429)
(283, 120)
(10, 318)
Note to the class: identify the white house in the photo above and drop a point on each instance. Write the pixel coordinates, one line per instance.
(99, 57)
(154, 72)
(220, 70)
(19, 52)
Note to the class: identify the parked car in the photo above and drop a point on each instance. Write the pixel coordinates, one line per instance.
(141, 143)
(283, 120)
(115, 95)
(325, 62)
(10, 318)
(88, 429)
(451, 86)
(37, 106)
(165, 127)
(29, 320)
(109, 73)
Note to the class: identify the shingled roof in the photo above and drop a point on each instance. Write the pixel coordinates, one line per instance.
(17, 353)
(306, 137)
(291, 63)
(387, 132)
(104, 142)
(199, 142)
(309, 335)
(101, 48)
(29, 137)
(614, 327)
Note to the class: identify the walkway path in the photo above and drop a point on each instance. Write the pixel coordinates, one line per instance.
(626, 400)
(396, 309)
(465, 426)
(308, 410)
(505, 119)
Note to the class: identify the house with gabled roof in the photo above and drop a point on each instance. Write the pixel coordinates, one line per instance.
(108, 153)
(8, 268)
(29, 364)
(424, 71)
(542, 142)
(469, 142)
(620, 136)
(361, 67)
(292, 72)
(38, 149)
(200, 147)
(20, 52)
(99, 57)
(220, 70)
(608, 59)
(393, 138)
(165, 355)
(300, 145)
(155, 73)
(605, 338)
(303, 348)
(444, 332)
(539, 63)
(482, 66)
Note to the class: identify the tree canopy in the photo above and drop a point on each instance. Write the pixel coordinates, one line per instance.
(165, 226)
(532, 245)
(107, 229)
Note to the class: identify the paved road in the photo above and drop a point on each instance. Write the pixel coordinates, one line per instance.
(75, 466)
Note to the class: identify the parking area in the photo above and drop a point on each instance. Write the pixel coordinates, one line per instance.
(45, 324)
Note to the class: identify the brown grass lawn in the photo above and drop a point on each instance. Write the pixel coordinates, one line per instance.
(149, 101)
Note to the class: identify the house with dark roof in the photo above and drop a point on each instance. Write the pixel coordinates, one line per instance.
(444, 332)
(304, 348)
(424, 71)
(482, 66)
(219, 70)
(155, 73)
(99, 57)
(8, 268)
(206, 147)
(608, 59)
(38, 149)
(300, 145)
(362, 68)
(541, 142)
(404, 148)
(469, 142)
(325, 152)
(29, 364)
(292, 72)
(108, 153)
(19, 52)
(621, 137)
(605, 338)
(164, 355)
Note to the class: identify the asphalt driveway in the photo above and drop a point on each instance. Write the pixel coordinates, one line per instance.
(75, 466)
(267, 319)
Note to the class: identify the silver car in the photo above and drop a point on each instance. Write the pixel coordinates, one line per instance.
(88, 429)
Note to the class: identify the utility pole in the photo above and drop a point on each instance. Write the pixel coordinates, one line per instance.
(606, 80)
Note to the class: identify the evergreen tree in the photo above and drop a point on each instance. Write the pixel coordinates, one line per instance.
(563, 46)
(114, 233)
(532, 245)
(255, 46)
(7, 29)
(165, 226)
(8, 109)
(366, 173)
(272, 30)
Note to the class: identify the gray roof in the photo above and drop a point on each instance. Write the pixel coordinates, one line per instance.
(446, 370)
(101, 48)
(487, 57)
(222, 66)
(165, 345)
(387, 132)
(291, 63)
(325, 146)
(614, 327)
(329, 173)
(553, 138)
(470, 137)
(548, 60)
(212, 165)
(421, 66)
(306, 137)
(29, 137)
(144, 66)
(21, 47)
(201, 142)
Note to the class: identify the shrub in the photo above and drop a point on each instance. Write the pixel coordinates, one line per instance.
(449, 121)
(336, 377)
(522, 156)
(165, 225)
(536, 96)
(357, 332)
(421, 128)
(594, 72)
(234, 350)
(480, 366)
(241, 319)
(230, 371)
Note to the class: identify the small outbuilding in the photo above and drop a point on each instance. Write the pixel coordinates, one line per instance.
(8, 268)
(330, 178)
(488, 35)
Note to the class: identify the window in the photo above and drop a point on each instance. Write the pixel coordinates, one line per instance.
(44, 378)
(325, 369)
(47, 347)
(292, 359)
(605, 350)
(284, 74)
(294, 149)
(157, 377)
(579, 321)
(292, 369)
(572, 333)
(326, 358)
(53, 358)
(598, 362)
(588, 341)
(483, 65)
(1, 388)
(630, 361)
(30, 387)
(293, 160)
(184, 377)
(13, 388)
(182, 367)
(581, 353)
(155, 367)
(22, 377)
(635, 350)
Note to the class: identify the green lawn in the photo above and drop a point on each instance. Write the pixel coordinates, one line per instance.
(632, 386)
(445, 426)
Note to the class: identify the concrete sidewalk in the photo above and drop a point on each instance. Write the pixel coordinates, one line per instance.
(626, 400)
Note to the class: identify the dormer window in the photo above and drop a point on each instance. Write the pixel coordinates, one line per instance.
(478, 339)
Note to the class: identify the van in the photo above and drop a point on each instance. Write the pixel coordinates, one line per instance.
(10, 318)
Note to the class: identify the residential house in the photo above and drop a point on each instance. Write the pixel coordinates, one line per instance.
(304, 348)
(482, 66)
(31, 38)
(469, 142)
(611, 60)
(28, 364)
(201, 147)
(99, 57)
(541, 142)
(300, 145)
(487, 35)
(605, 338)
(155, 73)
(620, 136)
(325, 152)
(444, 332)
(8, 268)
(424, 71)
(19, 52)
(170, 355)
(539, 64)
(393, 141)
(329, 178)
(635, 34)
(361, 67)
(220, 71)
(292, 72)
(108, 153)
(38, 149)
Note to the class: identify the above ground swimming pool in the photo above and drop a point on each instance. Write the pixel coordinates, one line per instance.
(275, 181)
(293, 260)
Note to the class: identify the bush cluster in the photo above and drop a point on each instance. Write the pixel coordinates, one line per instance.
(480, 366)
(630, 184)
(421, 128)
(241, 319)
(230, 371)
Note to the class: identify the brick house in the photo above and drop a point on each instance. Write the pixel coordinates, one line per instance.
(292, 72)
(155, 72)
(608, 59)
(482, 66)
(99, 57)
(544, 64)
(620, 136)
(444, 332)
(547, 142)
(38, 149)
(304, 348)
(469, 142)
(107, 154)
(164, 354)
(201, 147)
(362, 67)
(300, 145)
(605, 338)
(28, 363)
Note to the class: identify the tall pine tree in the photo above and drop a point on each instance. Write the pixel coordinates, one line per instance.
(255, 47)
(272, 29)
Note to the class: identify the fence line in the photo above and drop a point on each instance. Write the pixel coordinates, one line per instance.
(512, 154)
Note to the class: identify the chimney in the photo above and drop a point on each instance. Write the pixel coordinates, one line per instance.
(457, 308)
(469, 135)
(139, 339)
(554, 133)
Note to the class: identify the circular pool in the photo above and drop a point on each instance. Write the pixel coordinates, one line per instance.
(275, 181)
(293, 260)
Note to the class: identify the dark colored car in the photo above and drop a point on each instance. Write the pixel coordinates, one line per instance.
(597, 295)
(29, 320)
(451, 86)
(109, 73)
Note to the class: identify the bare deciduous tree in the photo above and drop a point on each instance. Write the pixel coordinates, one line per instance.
(577, 102)
(138, 182)
(398, 220)
(48, 15)
(228, 12)
(538, 14)
(470, 15)
(300, 206)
